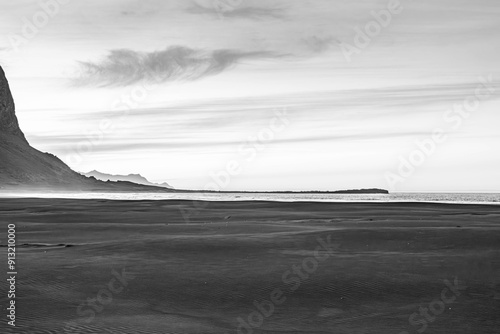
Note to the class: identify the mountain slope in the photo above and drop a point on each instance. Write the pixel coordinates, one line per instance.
(24, 168)
(8, 120)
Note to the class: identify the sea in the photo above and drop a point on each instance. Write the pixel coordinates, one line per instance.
(457, 198)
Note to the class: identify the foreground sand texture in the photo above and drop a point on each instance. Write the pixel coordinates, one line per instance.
(201, 275)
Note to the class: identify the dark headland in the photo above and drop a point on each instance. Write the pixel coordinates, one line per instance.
(24, 168)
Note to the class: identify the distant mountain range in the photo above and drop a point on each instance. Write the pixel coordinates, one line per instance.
(134, 178)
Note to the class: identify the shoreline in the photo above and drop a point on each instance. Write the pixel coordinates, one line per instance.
(105, 197)
(277, 203)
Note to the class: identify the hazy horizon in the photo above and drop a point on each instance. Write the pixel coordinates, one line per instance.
(179, 91)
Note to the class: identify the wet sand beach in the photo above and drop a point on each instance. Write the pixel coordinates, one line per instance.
(101, 266)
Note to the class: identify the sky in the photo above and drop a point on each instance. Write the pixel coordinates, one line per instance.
(262, 94)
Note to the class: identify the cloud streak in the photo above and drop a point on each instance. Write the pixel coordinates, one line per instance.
(254, 13)
(176, 142)
(125, 67)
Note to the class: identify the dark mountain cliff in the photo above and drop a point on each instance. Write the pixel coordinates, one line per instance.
(24, 168)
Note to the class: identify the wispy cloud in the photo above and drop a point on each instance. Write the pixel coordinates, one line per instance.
(244, 12)
(125, 67)
(319, 44)
(62, 143)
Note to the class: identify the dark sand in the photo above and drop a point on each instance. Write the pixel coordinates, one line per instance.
(199, 277)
